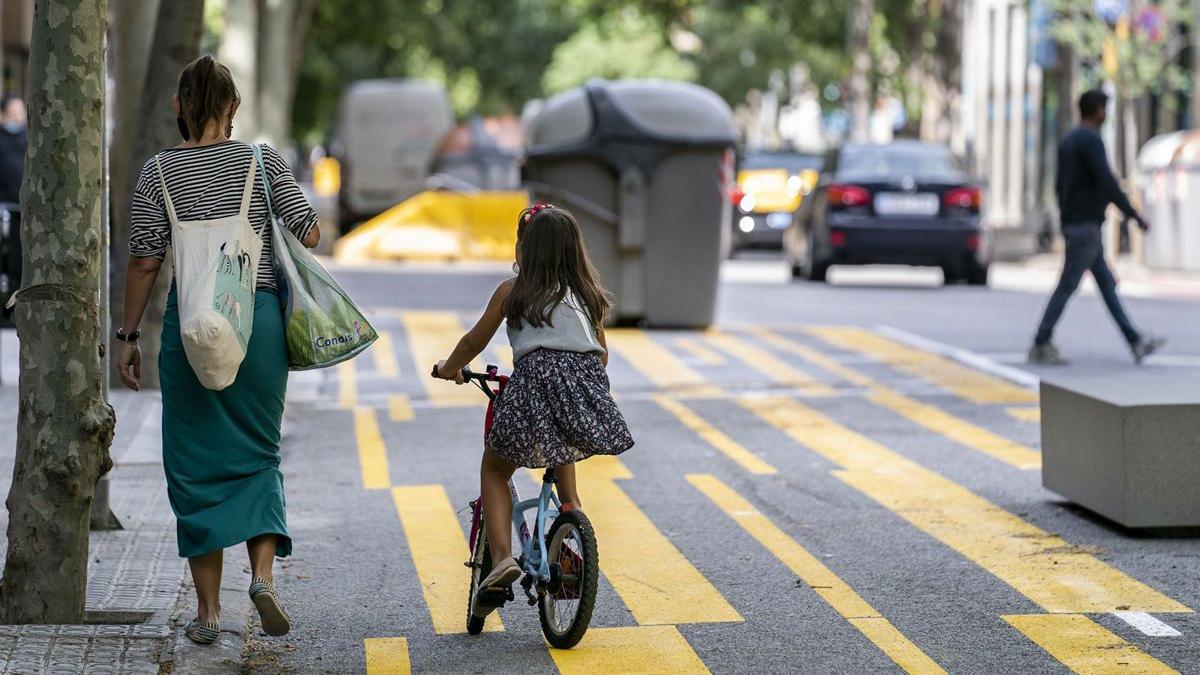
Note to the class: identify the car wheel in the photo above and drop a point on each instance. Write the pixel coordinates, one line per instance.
(977, 275)
(951, 274)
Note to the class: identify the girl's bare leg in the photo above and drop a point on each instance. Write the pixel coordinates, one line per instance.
(567, 488)
(497, 503)
(262, 556)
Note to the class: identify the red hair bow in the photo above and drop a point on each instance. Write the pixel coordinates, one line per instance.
(533, 210)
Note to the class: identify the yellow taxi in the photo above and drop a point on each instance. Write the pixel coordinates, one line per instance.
(768, 190)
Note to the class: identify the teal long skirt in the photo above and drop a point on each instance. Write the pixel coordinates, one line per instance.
(221, 448)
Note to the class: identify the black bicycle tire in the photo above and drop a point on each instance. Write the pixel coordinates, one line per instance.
(481, 564)
(587, 595)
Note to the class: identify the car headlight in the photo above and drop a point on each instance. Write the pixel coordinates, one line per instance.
(795, 185)
(746, 224)
(747, 204)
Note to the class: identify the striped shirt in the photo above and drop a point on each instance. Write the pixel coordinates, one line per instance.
(206, 183)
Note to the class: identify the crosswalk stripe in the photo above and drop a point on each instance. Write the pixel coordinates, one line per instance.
(958, 379)
(699, 352)
(399, 408)
(1041, 566)
(655, 581)
(431, 337)
(767, 364)
(931, 417)
(347, 385)
(1085, 646)
(716, 438)
(1026, 414)
(629, 649)
(824, 582)
(372, 453)
(384, 352)
(657, 364)
(438, 549)
(387, 656)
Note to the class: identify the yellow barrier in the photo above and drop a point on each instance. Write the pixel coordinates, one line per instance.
(439, 225)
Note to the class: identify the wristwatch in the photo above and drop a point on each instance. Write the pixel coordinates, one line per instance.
(132, 337)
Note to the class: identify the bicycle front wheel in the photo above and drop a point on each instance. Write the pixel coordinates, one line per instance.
(566, 606)
(481, 564)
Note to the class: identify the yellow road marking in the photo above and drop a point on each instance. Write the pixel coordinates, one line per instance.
(655, 581)
(840, 596)
(399, 408)
(347, 385)
(1026, 414)
(698, 351)
(372, 453)
(387, 656)
(629, 649)
(1057, 576)
(385, 355)
(431, 337)
(658, 364)
(731, 448)
(438, 548)
(1085, 646)
(928, 416)
(956, 378)
(767, 364)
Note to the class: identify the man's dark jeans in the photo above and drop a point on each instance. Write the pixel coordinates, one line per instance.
(1085, 251)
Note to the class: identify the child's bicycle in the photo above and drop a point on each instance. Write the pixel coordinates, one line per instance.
(559, 558)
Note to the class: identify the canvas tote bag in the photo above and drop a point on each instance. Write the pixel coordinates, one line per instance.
(322, 326)
(216, 262)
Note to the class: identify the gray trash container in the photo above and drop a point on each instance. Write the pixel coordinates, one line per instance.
(642, 164)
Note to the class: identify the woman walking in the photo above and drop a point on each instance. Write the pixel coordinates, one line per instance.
(220, 448)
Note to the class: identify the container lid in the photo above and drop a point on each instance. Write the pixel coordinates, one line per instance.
(660, 110)
(1158, 151)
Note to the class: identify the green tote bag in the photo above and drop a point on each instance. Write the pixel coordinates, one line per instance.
(322, 326)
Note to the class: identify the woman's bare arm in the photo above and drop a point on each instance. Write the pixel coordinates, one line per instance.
(139, 282)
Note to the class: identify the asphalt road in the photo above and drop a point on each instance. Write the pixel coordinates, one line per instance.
(808, 493)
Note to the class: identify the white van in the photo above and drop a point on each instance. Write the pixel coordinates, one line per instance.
(387, 136)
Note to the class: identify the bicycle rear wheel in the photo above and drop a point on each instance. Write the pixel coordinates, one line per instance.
(566, 606)
(481, 564)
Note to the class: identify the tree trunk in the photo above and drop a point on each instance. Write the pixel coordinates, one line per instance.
(64, 426)
(862, 12)
(274, 69)
(176, 43)
(239, 52)
(130, 35)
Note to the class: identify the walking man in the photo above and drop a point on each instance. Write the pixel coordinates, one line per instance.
(1085, 186)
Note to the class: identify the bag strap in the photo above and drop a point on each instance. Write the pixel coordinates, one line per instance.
(166, 195)
(266, 180)
(248, 191)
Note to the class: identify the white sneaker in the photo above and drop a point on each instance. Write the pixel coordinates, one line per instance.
(502, 576)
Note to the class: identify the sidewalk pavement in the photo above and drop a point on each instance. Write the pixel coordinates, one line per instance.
(139, 594)
(1039, 274)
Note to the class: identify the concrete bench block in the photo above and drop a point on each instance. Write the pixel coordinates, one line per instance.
(1125, 446)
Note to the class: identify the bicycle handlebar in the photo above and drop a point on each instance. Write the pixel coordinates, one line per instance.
(470, 375)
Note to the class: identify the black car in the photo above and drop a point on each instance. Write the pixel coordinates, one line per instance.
(906, 202)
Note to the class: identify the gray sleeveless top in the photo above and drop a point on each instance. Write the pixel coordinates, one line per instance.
(570, 330)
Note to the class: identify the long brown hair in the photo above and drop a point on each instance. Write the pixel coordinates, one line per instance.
(552, 260)
(206, 92)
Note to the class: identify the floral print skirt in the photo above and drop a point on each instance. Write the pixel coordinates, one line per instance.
(555, 410)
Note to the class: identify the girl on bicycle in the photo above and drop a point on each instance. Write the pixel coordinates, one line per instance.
(556, 409)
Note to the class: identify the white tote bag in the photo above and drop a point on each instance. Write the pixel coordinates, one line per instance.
(216, 264)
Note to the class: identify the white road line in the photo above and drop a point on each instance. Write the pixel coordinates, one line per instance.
(963, 356)
(1147, 624)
